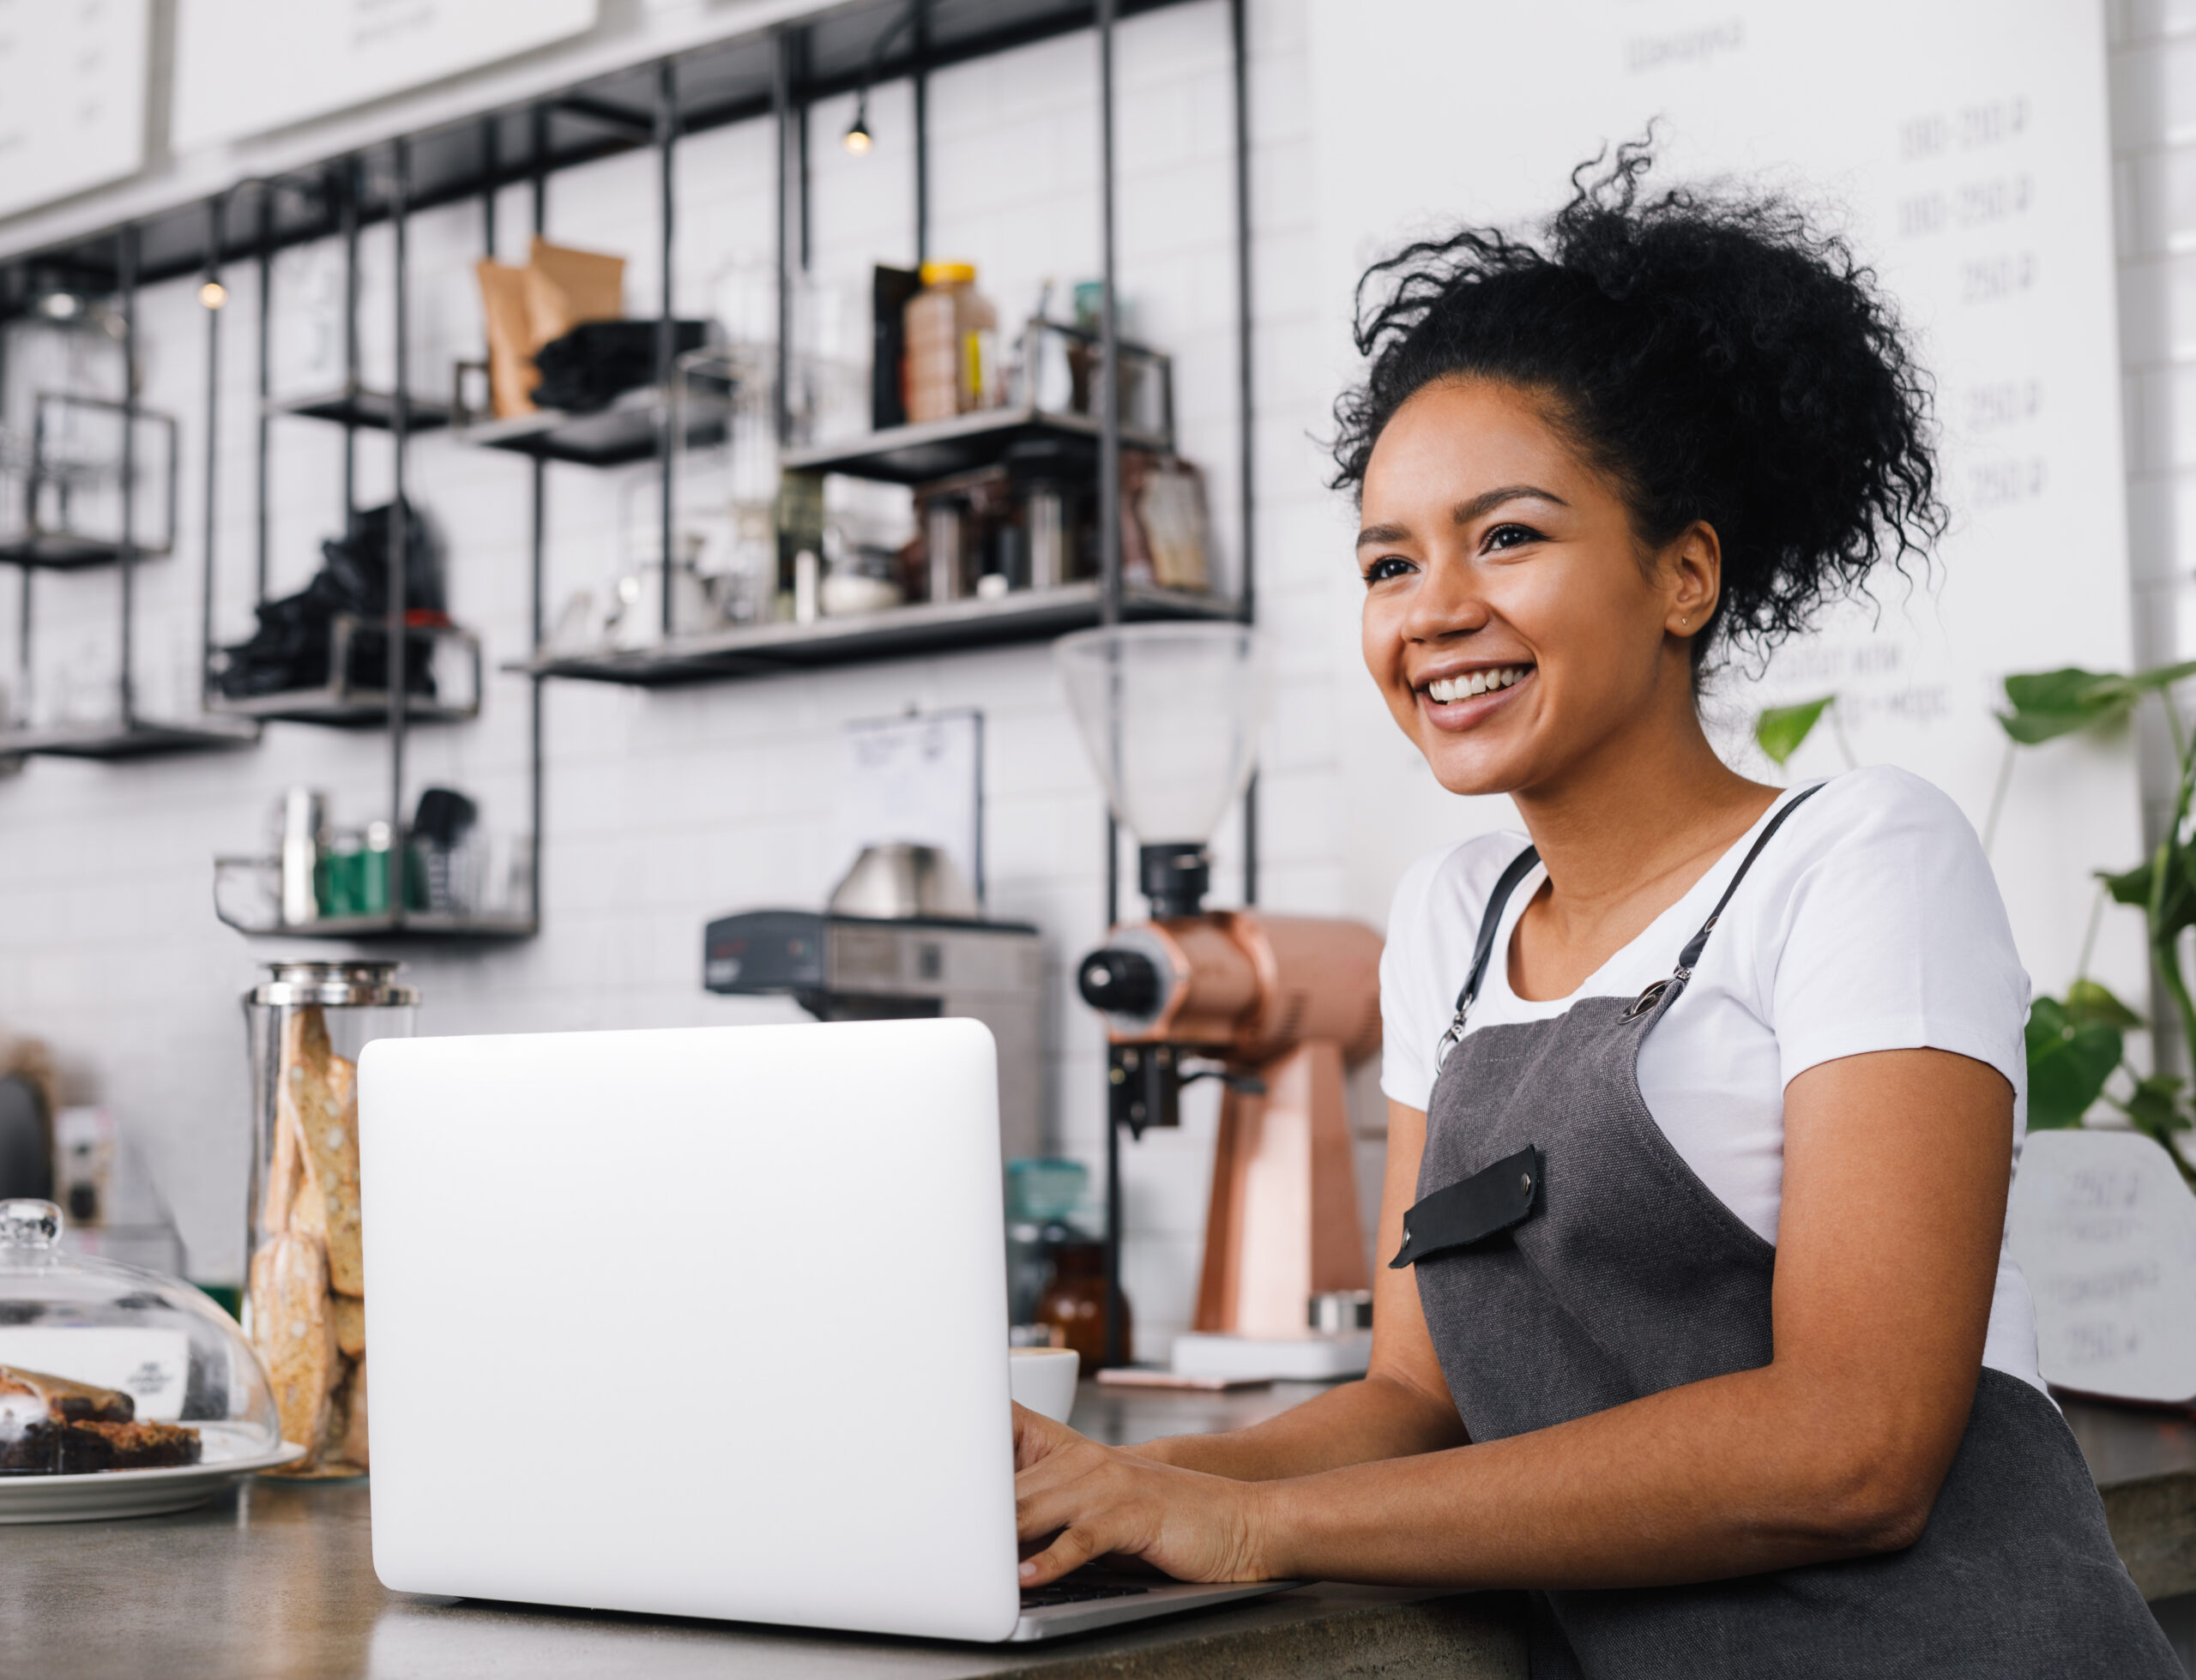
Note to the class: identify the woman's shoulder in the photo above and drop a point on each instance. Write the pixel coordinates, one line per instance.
(1452, 880)
(1883, 808)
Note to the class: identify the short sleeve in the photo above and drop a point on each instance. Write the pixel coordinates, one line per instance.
(1432, 924)
(1406, 992)
(1893, 934)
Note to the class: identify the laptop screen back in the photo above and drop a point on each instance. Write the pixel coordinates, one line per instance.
(701, 1323)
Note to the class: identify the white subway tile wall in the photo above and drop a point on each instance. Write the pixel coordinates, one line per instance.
(2152, 59)
(664, 810)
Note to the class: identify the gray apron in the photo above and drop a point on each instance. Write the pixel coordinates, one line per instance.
(1569, 1261)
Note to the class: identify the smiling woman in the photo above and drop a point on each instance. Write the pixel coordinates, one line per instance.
(1704, 1097)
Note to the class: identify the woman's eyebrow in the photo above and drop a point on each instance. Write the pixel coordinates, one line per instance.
(1489, 500)
(1383, 533)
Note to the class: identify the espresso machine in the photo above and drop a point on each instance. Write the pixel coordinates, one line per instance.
(902, 937)
(1277, 1008)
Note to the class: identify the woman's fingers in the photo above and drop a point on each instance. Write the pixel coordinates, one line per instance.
(1072, 1549)
(1037, 1437)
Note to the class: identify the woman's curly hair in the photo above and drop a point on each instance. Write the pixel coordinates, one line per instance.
(1714, 356)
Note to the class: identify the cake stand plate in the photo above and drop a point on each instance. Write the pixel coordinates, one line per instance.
(127, 1493)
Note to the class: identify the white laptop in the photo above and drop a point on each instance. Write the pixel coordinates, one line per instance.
(703, 1322)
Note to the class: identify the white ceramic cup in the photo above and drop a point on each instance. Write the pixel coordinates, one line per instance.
(1043, 1379)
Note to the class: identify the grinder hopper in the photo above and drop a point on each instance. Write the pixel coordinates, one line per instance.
(1170, 713)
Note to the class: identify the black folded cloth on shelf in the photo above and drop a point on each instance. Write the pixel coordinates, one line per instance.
(294, 646)
(598, 361)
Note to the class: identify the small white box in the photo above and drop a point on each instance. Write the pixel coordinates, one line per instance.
(1308, 1358)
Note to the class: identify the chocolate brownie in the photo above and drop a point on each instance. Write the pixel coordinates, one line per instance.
(49, 1426)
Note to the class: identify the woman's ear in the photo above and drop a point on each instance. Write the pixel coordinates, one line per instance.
(1692, 573)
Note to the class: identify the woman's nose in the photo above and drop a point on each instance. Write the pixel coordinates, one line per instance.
(1446, 603)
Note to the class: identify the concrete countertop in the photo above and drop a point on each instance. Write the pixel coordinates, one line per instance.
(276, 1580)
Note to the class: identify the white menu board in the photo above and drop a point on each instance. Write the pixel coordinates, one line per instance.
(1962, 147)
(245, 66)
(2105, 1232)
(72, 97)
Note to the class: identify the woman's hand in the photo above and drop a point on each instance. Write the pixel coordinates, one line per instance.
(1076, 1500)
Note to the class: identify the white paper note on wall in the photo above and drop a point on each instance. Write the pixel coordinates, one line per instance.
(72, 97)
(915, 778)
(2105, 1232)
(1962, 147)
(245, 66)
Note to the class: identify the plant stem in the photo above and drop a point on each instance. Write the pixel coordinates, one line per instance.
(2089, 938)
(2165, 864)
(1998, 796)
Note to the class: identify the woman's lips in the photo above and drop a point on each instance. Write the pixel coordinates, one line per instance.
(1468, 710)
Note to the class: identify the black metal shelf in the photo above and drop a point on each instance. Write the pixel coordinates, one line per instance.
(617, 436)
(338, 704)
(53, 551)
(122, 741)
(917, 455)
(356, 406)
(356, 708)
(900, 632)
(440, 927)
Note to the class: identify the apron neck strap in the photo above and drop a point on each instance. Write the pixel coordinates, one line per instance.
(1665, 991)
(1520, 867)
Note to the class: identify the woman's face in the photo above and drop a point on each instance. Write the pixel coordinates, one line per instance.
(1508, 619)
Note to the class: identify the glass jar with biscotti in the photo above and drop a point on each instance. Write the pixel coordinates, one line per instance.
(304, 1289)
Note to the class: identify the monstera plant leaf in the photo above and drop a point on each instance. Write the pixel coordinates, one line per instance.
(2068, 1063)
(2156, 1107)
(1779, 729)
(2176, 911)
(2047, 704)
(2086, 1001)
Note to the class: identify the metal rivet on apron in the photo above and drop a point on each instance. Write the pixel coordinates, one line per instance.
(1525, 1183)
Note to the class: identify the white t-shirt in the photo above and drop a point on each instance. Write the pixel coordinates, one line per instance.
(1871, 922)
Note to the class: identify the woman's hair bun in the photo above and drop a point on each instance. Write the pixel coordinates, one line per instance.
(1714, 354)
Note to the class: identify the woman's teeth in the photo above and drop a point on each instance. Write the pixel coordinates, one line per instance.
(1443, 689)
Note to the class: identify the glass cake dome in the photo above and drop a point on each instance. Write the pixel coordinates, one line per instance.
(107, 1367)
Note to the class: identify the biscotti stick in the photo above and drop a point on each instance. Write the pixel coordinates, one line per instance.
(351, 1446)
(295, 1334)
(325, 1088)
(350, 1323)
(284, 1166)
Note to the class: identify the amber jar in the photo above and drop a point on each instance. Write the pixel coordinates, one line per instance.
(1074, 1303)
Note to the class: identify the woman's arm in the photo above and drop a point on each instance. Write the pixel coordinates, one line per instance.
(1403, 1405)
(1895, 1170)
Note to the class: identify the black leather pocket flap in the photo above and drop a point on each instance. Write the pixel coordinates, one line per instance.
(1492, 1200)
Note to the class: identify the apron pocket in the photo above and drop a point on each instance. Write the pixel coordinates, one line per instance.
(1493, 1200)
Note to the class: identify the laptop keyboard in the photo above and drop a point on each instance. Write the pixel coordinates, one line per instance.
(1060, 1592)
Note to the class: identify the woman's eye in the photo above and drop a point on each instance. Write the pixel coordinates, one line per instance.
(1387, 566)
(1511, 536)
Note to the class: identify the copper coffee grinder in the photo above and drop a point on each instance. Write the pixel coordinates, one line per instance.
(1275, 1007)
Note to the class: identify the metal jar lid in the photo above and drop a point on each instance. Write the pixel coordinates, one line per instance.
(341, 985)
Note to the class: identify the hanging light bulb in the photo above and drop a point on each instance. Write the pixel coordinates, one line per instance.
(858, 138)
(212, 294)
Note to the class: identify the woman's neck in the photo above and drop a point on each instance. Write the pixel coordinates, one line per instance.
(1652, 804)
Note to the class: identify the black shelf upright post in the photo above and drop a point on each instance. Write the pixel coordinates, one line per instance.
(1109, 601)
(126, 549)
(919, 84)
(265, 326)
(782, 251)
(399, 522)
(349, 178)
(211, 299)
(1246, 451)
(539, 149)
(666, 137)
